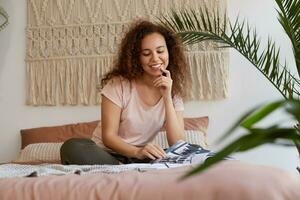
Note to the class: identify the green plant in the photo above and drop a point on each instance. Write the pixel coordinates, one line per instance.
(256, 136)
(194, 27)
(4, 21)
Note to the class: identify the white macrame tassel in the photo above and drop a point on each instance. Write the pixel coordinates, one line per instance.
(66, 82)
(71, 44)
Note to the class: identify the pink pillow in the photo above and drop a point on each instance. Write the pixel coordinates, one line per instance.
(57, 133)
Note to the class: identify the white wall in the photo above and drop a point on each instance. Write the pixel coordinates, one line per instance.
(247, 87)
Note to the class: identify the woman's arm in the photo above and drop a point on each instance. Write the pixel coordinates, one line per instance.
(110, 117)
(174, 123)
(174, 120)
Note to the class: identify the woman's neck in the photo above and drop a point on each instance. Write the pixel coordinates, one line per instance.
(147, 80)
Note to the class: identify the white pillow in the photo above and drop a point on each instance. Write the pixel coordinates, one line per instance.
(40, 152)
(191, 136)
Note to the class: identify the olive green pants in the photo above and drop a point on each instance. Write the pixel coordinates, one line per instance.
(81, 151)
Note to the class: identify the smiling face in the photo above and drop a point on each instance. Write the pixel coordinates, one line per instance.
(154, 54)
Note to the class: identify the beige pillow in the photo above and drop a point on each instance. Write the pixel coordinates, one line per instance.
(40, 152)
(191, 136)
(195, 130)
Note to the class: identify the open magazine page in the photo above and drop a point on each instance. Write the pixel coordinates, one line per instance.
(178, 155)
(185, 153)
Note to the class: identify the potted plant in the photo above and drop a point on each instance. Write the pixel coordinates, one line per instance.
(194, 27)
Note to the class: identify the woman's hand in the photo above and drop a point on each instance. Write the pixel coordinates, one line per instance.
(164, 83)
(151, 151)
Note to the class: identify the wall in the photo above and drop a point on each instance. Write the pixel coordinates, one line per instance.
(247, 87)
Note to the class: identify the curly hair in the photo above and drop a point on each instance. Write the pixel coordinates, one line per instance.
(128, 59)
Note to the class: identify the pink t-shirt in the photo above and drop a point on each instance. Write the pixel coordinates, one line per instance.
(139, 122)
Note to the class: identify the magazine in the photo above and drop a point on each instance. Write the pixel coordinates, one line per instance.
(186, 153)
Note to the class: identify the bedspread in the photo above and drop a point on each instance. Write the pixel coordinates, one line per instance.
(234, 180)
(12, 170)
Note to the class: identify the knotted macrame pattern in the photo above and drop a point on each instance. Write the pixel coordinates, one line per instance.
(71, 44)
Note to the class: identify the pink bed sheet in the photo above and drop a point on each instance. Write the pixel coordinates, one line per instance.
(232, 180)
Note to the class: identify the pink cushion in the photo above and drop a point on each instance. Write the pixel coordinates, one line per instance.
(57, 133)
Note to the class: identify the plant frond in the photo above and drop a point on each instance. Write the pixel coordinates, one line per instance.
(4, 15)
(255, 137)
(194, 28)
(289, 18)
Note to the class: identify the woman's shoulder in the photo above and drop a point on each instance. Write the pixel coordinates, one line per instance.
(119, 81)
(118, 90)
(120, 84)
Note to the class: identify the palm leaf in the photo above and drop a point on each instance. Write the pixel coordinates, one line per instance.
(260, 114)
(258, 136)
(255, 115)
(254, 139)
(4, 15)
(195, 28)
(289, 18)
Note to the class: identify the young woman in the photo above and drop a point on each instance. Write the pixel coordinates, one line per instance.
(141, 94)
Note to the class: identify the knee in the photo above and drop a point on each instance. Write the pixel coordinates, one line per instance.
(71, 145)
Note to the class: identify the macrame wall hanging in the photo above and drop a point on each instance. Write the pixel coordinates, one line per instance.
(72, 43)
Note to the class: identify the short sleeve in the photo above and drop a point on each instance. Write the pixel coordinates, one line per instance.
(113, 91)
(178, 103)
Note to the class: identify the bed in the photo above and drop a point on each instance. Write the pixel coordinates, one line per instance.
(230, 179)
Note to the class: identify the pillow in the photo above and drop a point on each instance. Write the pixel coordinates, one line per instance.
(42, 145)
(191, 136)
(56, 134)
(40, 153)
(195, 130)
